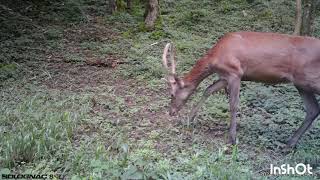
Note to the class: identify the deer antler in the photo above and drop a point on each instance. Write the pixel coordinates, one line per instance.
(169, 47)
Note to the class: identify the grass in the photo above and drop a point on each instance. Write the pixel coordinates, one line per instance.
(61, 116)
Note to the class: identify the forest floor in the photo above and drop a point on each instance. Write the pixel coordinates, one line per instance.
(88, 100)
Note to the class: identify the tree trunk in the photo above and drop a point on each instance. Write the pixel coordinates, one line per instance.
(152, 13)
(129, 5)
(308, 17)
(113, 5)
(298, 22)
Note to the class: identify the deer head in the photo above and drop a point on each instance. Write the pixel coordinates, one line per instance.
(179, 90)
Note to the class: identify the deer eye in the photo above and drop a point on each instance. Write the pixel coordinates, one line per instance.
(172, 96)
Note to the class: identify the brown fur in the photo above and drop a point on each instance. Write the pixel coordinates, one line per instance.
(262, 57)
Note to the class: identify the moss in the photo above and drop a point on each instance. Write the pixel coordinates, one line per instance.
(53, 33)
(121, 5)
(159, 23)
(157, 35)
(266, 14)
(142, 27)
(7, 71)
(127, 34)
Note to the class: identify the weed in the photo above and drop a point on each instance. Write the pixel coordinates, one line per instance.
(7, 71)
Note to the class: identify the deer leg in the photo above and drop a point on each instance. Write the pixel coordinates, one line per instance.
(226, 91)
(312, 111)
(216, 86)
(234, 90)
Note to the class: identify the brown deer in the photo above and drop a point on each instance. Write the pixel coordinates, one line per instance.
(251, 56)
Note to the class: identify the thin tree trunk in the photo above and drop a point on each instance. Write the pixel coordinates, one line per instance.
(152, 13)
(129, 5)
(116, 5)
(113, 5)
(308, 17)
(298, 22)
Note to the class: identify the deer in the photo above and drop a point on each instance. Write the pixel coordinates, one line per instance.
(270, 58)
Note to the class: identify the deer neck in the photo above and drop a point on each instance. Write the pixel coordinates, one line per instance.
(198, 73)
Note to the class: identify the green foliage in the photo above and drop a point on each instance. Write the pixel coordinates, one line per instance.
(38, 127)
(121, 5)
(53, 34)
(267, 14)
(230, 5)
(73, 58)
(158, 32)
(7, 71)
(142, 27)
(56, 11)
(156, 35)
